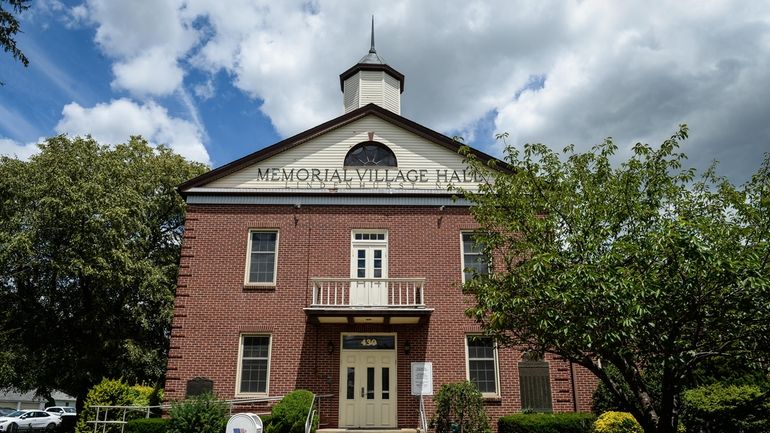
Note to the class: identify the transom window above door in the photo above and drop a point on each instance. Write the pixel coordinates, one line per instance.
(359, 236)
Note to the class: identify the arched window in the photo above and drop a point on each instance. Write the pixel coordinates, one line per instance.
(370, 153)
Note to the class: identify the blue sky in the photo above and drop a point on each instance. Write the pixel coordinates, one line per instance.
(217, 80)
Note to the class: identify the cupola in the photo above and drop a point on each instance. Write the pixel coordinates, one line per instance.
(372, 81)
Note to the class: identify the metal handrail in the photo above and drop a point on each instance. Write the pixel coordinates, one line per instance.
(310, 416)
(315, 407)
(423, 417)
(105, 409)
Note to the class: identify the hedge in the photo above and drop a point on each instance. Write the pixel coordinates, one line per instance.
(546, 423)
(147, 425)
(722, 407)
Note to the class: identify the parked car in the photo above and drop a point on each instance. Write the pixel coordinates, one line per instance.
(61, 410)
(29, 420)
(6, 410)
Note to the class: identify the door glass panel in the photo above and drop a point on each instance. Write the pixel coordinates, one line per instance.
(385, 383)
(370, 383)
(377, 263)
(361, 264)
(351, 394)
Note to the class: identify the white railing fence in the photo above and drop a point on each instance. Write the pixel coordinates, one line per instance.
(390, 292)
(106, 416)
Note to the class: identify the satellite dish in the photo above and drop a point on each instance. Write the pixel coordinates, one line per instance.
(244, 423)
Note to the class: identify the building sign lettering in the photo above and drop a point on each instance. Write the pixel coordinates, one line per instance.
(348, 178)
(382, 342)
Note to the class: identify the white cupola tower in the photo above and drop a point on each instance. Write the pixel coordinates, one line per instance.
(371, 80)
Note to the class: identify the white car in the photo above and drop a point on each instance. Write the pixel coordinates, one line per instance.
(29, 420)
(61, 410)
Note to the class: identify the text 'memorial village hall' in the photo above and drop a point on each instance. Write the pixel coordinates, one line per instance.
(333, 261)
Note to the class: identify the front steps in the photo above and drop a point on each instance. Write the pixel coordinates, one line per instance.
(343, 430)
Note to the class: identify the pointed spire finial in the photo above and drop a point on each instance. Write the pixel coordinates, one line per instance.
(372, 50)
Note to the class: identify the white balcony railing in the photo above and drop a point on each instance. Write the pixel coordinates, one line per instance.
(368, 292)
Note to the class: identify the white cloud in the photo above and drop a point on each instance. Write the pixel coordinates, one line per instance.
(116, 121)
(153, 72)
(204, 90)
(14, 149)
(632, 71)
(145, 37)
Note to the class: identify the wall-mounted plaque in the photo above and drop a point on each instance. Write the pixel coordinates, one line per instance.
(199, 385)
(422, 378)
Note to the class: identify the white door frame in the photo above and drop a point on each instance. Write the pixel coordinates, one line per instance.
(356, 413)
(369, 292)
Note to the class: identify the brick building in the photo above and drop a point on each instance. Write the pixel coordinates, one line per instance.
(333, 261)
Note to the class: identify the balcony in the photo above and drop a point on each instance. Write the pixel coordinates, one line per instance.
(368, 300)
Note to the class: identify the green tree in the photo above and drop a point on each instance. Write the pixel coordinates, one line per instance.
(9, 26)
(642, 266)
(89, 247)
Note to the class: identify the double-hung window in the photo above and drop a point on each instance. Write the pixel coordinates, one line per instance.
(473, 257)
(254, 364)
(262, 257)
(482, 364)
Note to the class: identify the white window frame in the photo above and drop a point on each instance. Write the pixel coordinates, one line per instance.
(241, 339)
(384, 243)
(497, 365)
(248, 259)
(462, 253)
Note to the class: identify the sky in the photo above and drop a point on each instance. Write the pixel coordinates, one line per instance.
(216, 80)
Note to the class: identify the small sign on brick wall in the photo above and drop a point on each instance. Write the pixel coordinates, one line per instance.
(199, 385)
(422, 378)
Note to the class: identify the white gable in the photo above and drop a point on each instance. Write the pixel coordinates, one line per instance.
(318, 163)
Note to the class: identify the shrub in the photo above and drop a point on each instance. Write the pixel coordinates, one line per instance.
(460, 409)
(617, 422)
(108, 392)
(114, 392)
(546, 423)
(719, 407)
(147, 425)
(203, 413)
(155, 399)
(265, 422)
(289, 415)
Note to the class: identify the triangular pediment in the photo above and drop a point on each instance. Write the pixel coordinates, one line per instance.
(314, 159)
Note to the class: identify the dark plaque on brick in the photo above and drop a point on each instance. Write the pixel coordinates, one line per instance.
(199, 385)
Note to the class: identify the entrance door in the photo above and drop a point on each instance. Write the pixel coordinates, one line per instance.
(369, 263)
(368, 388)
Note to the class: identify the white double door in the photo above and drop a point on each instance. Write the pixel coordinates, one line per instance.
(369, 263)
(368, 389)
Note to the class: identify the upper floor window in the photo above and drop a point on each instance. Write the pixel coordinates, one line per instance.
(482, 364)
(473, 258)
(261, 262)
(370, 153)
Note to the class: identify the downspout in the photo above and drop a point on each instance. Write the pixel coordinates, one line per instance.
(574, 386)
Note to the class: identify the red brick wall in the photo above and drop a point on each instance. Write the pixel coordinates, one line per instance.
(213, 307)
